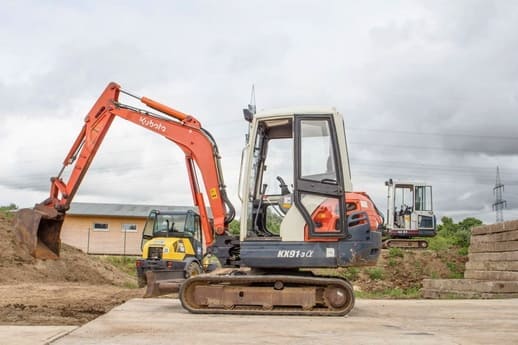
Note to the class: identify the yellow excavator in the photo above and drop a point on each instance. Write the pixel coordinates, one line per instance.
(172, 251)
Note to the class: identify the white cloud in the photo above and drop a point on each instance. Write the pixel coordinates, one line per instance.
(429, 90)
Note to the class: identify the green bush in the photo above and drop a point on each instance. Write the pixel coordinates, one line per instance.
(392, 262)
(440, 243)
(450, 234)
(9, 207)
(375, 273)
(351, 273)
(396, 253)
(463, 251)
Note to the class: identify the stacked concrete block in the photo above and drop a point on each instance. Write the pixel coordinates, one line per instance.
(492, 267)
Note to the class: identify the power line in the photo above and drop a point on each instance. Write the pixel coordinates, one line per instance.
(413, 147)
(499, 204)
(440, 134)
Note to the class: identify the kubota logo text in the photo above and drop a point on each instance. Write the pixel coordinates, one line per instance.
(152, 124)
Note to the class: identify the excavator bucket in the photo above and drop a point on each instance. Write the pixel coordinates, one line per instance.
(39, 230)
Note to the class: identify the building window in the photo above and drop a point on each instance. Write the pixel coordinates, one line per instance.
(127, 227)
(100, 226)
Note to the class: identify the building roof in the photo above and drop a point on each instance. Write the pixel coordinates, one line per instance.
(120, 210)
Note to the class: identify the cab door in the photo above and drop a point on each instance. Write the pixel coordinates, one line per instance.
(193, 229)
(319, 192)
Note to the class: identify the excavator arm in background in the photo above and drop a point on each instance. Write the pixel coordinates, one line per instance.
(39, 228)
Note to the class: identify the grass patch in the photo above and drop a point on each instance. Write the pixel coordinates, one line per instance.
(434, 275)
(351, 273)
(455, 272)
(396, 293)
(392, 262)
(123, 263)
(396, 253)
(375, 273)
(130, 285)
(6, 211)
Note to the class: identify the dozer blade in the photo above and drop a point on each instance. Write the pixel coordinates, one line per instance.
(158, 287)
(39, 230)
(405, 243)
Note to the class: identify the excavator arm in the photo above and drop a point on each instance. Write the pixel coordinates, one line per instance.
(39, 228)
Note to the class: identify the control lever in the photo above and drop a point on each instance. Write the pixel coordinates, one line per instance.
(284, 187)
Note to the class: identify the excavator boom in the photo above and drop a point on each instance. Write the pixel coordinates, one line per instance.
(39, 228)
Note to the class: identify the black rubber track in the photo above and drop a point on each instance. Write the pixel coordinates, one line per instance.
(248, 282)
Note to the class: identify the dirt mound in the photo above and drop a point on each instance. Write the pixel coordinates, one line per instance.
(18, 266)
(59, 303)
(404, 271)
(72, 290)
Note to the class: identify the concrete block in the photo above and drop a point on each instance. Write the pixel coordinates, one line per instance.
(499, 256)
(492, 265)
(495, 228)
(487, 229)
(491, 247)
(471, 285)
(491, 275)
(498, 237)
(442, 294)
(511, 225)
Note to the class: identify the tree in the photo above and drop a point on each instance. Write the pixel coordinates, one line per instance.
(11, 206)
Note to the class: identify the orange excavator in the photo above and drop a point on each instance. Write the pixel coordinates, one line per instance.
(39, 228)
(266, 269)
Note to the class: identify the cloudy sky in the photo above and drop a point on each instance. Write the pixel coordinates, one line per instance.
(428, 90)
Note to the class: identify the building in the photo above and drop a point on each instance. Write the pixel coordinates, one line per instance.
(113, 229)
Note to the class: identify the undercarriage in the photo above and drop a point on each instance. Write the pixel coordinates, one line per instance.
(242, 292)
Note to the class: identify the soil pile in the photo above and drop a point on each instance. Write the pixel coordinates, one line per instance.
(18, 266)
(72, 290)
(405, 270)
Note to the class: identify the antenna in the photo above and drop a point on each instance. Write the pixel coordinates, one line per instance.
(251, 106)
(499, 204)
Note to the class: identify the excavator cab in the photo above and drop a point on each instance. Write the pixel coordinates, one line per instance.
(409, 214)
(171, 246)
(294, 190)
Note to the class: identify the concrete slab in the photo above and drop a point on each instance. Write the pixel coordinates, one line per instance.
(32, 335)
(163, 321)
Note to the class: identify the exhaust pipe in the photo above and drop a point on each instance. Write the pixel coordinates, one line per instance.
(38, 229)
